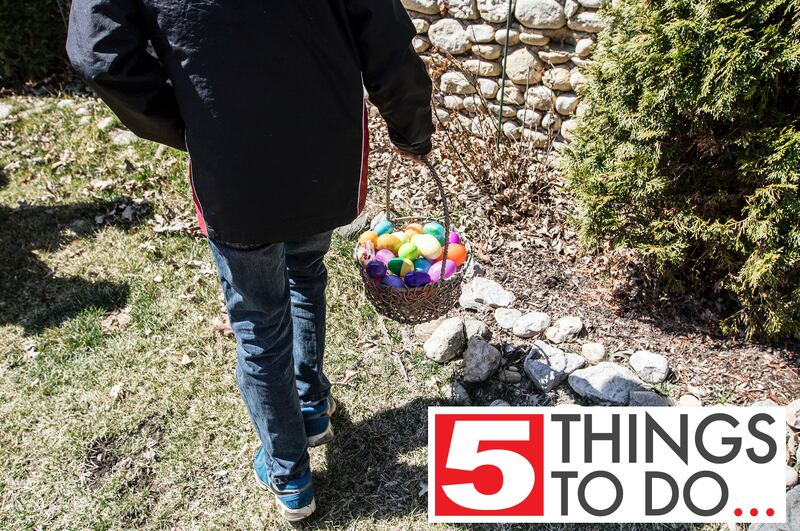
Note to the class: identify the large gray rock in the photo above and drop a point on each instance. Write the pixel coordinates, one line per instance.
(482, 291)
(531, 324)
(605, 382)
(465, 9)
(449, 35)
(523, 67)
(791, 477)
(429, 7)
(792, 515)
(565, 329)
(547, 366)
(447, 341)
(495, 10)
(540, 14)
(122, 137)
(481, 360)
(648, 399)
(651, 367)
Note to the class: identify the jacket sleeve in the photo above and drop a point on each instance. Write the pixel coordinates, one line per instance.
(107, 44)
(394, 75)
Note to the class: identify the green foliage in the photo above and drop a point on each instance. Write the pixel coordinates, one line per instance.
(32, 36)
(689, 149)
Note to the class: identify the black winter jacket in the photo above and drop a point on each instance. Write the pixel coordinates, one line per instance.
(266, 95)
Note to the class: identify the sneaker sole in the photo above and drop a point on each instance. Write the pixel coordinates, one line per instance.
(291, 515)
(323, 438)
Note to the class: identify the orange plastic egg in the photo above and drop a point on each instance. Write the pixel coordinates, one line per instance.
(415, 227)
(369, 236)
(457, 253)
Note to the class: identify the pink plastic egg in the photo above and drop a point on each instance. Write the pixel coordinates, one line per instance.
(436, 270)
(454, 237)
(384, 255)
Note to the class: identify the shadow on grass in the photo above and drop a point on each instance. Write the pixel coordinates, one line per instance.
(368, 477)
(31, 294)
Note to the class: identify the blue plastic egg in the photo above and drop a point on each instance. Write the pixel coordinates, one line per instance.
(393, 281)
(422, 264)
(383, 227)
(416, 279)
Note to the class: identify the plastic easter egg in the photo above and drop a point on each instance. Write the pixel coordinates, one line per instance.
(402, 236)
(436, 270)
(376, 269)
(364, 252)
(408, 250)
(383, 227)
(384, 255)
(368, 236)
(393, 281)
(457, 253)
(428, 245)
(389, 241)
(401, 266)
(422, 264)
(454, 237)
(436, 230)
(414, 227)
(416, 279)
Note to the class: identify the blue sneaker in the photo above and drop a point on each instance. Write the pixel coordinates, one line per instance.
(295, 499)
(317, 417)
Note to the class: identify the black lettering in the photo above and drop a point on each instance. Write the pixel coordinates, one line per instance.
(734, 442)
(648, 493)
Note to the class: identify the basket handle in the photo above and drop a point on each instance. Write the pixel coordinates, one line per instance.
(442, 196)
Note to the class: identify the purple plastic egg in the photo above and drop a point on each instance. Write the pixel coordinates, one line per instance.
(454, 237)
(436, 270)
(384, 255)
(393, 281)
(376, 269)
(415, 279)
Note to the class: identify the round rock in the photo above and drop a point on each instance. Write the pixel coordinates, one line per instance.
(506, 317)
(481, 360)
(651, 367)
(480, 33)
(593, 352)
(428, 7)
(540, 97)
(566, 103)
(494, 10)
(523, 67)
(605, 382)
(557, 78)
(588, 21)
(689, 401)
(540, 14)
(449, 35)
(455, 83)
(447, 341)
(465, 9)
(531, 324)
(565, 329)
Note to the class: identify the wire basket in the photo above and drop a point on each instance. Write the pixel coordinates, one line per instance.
(425, 303)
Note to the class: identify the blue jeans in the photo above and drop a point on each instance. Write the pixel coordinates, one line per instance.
(275, 295)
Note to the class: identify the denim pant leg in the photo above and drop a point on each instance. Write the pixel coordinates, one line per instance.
(255, 283)
(308, 279)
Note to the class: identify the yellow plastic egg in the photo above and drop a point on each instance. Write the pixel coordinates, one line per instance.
(428, 246)
(390, 242)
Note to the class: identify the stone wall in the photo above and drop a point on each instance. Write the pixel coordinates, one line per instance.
(547, 43)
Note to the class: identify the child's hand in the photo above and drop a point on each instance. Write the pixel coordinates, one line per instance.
(421, 159)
